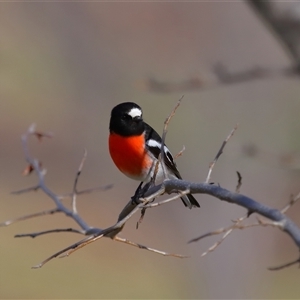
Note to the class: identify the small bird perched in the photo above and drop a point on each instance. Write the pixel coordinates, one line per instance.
(135, 147)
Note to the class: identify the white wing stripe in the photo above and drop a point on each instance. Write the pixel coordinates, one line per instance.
(156, 144)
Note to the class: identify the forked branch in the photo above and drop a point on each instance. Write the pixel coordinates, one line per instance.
(273, 217)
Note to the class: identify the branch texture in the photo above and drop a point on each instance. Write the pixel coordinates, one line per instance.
(145, 199)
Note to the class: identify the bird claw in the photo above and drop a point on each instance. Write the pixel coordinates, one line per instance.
(140, 192)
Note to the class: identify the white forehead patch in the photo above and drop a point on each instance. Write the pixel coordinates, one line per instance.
(135, 112)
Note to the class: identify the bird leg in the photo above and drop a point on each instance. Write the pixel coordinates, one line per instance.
(135, 199)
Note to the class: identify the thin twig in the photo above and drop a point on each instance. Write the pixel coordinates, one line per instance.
(179, 153)
(99, 188)
(104, 233)
(26, 217)
(212, 164)
(164, 134)
(179, 195)
(80, 245)
(35, 234)
(286, 265)
(110, 232)
(126, 241)
(74, 193)
(227, 231)
(58, 254)
(79, 171)
(238, 225)
(214, 246)
(30, 189)
(277, 218)
(220, 230)
(144, 190)
(151, 205)
(88, 191)
(293, 200)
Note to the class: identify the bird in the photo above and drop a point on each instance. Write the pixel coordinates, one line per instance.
(135, 146)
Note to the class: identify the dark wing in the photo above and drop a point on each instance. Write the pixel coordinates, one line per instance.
(154, 143)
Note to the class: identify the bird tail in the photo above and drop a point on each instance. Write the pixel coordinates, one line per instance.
(190, 201)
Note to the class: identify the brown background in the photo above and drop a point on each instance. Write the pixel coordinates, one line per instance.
(64, 66)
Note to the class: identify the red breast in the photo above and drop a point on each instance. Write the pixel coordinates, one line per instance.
(129, 155)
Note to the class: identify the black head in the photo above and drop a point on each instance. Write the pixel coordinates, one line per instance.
(127, 119)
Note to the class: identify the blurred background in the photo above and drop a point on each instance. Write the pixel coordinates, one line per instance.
(65, 65)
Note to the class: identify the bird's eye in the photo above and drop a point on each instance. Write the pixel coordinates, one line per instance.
(126, 117)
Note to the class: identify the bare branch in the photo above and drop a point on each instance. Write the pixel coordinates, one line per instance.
(35, 234)
(179, 195)
(293, 200)
(79, 171)
(145, 196)
(108, 232)
(278, 268)
(226, 232)
(81, 244)
(251, 205)
(26, 217)
(30, 189)
(260, 222)
(88, 191)
(94, 233)
(212, 164)
(59, 253)
(41, 183)
(97, 233)
(213, 247)
(179, 153)
(126, 241)
(164, 134)
(237, 225)
(74, 194)
(161, 157)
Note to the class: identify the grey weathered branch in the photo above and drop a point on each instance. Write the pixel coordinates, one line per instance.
(92, 233)
(252, 206)
(277, 218)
